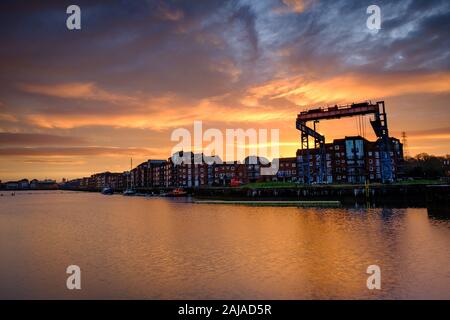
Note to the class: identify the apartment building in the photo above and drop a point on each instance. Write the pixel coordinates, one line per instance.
(349, 160)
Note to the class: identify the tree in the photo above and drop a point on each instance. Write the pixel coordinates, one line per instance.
(426, 166)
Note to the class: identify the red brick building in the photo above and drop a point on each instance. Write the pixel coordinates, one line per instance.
(349, 160)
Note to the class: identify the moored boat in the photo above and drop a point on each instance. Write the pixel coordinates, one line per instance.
(178, 192)
(107, 190)
(129, 192)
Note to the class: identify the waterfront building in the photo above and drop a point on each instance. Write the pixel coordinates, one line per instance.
(223, 173)
(287, 170)
(24, 184)
(102, 180)
(251, 169)
(12, 185)
(168, 171)
(349, 160)
(47, 184)
(155, 173)
(17, 185)
(140, 176)
(70, 184)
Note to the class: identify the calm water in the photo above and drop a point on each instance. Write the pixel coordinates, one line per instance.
(155, 248)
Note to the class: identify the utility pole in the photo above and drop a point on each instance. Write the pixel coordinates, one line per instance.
(405, 144)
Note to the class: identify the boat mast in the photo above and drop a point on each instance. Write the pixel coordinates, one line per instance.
(131, 172)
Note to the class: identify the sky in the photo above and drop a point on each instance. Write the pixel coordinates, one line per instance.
(76, 102)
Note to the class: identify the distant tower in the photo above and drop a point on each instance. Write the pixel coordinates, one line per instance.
(405, 144)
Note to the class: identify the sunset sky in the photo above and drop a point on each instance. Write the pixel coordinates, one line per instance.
(73, 103)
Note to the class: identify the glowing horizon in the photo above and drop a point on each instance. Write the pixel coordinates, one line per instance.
(79, 102)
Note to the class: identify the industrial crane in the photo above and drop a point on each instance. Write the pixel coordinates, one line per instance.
(379, 125)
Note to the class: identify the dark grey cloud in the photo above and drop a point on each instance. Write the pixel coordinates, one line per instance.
(127, 46)
(186, 47)
(333, 38)
(205, 48)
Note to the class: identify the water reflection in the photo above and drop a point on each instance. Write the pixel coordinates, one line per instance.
(131, 247)
(439, 213)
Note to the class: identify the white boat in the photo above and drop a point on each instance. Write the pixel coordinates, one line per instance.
(129, 192)
(107, 190)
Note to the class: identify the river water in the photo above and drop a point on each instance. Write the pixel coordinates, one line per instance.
(159, 248)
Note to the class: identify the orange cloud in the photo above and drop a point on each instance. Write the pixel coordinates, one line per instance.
(76, 151)
(257, 104)
(54, 161)
(350, 88)
(297, 6)
(432, 137)
(163, 113)
(8, 117)
(28, 139)
(76, 90)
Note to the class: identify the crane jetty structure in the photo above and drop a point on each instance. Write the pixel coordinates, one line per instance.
(379, 124)
(340, 170)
